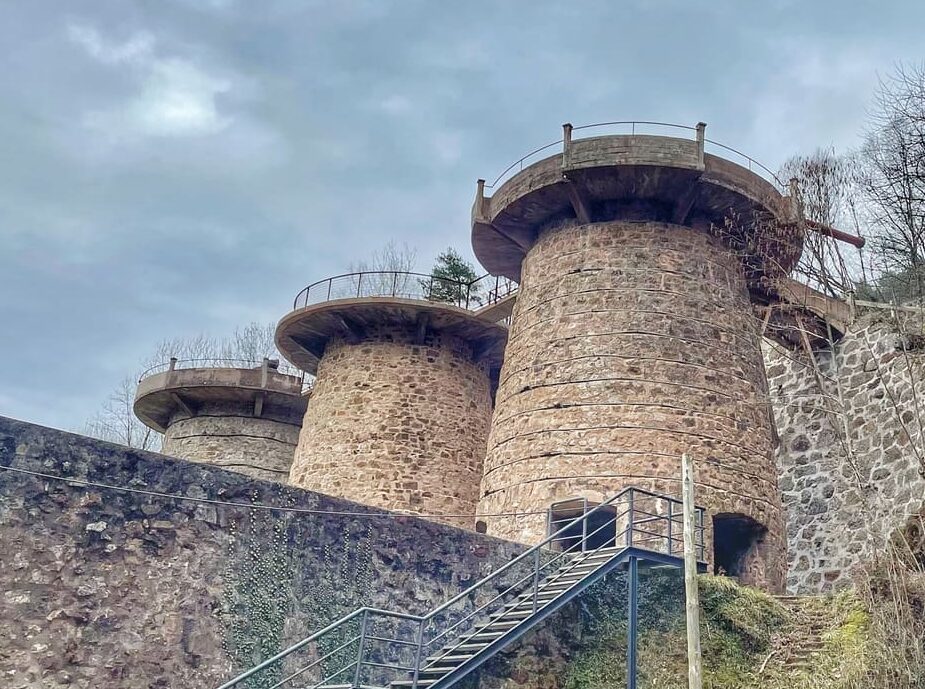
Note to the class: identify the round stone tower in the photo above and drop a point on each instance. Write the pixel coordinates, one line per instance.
(240, 419)
(633, 337)
(404, 370)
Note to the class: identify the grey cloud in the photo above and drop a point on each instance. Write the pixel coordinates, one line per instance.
(181, 167)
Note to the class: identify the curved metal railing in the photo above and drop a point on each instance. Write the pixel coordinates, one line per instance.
(174, 364)
(637, 127)
(482, 291)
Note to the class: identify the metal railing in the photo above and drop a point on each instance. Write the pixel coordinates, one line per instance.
(174, 364)
(482, 291)
(371, 647)
(633, 127)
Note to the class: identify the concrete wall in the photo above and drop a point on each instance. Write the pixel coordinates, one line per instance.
(851, 451)
(228, 435)
(398, 424)
(632, 343)
(108, 589)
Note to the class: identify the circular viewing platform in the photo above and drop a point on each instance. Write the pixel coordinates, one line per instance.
(637, 177)
(349, 305)
(182, 387)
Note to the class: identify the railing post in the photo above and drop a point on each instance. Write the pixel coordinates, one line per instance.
(356, 675)
(394, 284)
(629, 521)
(536, 579)
(584, 525)
(417, 654)
(633, 630)
(670, 526)
(566, 144)
(330, 281)
(173, 363)
(359, 282)
(701, 141)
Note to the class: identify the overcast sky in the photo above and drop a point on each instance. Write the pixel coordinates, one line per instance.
(176, 168)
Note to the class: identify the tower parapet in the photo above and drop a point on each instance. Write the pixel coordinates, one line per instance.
(241, 415)
(404, 368)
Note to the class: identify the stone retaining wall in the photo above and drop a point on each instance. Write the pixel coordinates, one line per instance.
(851, 451)
(109, 589)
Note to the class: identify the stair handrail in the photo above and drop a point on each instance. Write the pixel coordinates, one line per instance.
(314, 637)
(534, 551)
(531, 551)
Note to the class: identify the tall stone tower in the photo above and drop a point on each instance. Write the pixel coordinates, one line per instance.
(633, 338)
(402, 399)
(239, 417)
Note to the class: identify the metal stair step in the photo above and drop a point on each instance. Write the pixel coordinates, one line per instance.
(409, 683)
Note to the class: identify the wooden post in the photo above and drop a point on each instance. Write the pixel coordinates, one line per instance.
(692, 595)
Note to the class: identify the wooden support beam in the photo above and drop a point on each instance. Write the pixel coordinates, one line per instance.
(579, 202)
(523, 244)
(183, 404)
(423, 320)
(354, 332)
(258, 403)
(685, 203)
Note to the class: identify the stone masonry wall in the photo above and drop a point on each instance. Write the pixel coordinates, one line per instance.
(231, 438)
(109, 589)
(630, 344)
(398, 424)
(851, 448)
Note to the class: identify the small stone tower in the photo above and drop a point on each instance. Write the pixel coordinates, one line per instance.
(633, 338)
(241, 419)
(402, 399)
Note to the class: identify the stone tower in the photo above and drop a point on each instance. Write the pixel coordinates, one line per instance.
(242, 419)
(633, 338)
(402, 399)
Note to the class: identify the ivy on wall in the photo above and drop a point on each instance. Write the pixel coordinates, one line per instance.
(257, 593)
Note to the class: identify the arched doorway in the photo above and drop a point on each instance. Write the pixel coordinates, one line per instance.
(598, 531)
(737, 547)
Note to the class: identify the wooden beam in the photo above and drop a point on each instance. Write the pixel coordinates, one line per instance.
(423, 320)
(578, 201)
(684, 205)
(354, 332)
(524, 245)
(184, 406)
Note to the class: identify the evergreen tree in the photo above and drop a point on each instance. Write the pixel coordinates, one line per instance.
(452, 278)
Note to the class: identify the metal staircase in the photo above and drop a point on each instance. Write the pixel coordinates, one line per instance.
(383, 649)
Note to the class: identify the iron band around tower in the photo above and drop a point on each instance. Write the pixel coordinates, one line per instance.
(241, 415)
(404, 367)
(633, 338)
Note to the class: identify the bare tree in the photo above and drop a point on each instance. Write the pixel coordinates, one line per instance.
(826, 184)
(893, 180)
(386, 272)
(116, 422)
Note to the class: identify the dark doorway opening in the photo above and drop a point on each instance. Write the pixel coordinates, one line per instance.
(599, 530)
(736, 541)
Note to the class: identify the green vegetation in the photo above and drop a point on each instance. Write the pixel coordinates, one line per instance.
(748, 639)
(452, 274)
